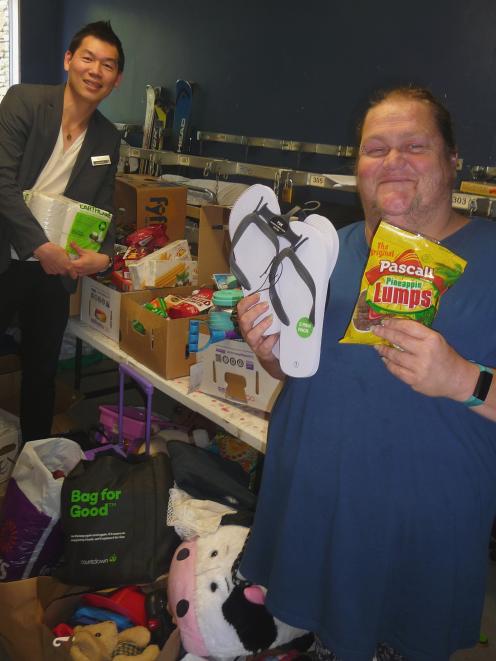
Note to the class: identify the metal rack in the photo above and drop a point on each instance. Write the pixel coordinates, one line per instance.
(281, 145)
(220, 167)
(224, 168)
(482, 172)
(474, 205)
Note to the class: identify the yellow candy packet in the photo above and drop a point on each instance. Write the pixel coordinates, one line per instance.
(405, 276)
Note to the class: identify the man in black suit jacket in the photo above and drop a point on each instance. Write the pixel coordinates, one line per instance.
(54, 140)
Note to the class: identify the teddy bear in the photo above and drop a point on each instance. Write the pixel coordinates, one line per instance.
(102, 642)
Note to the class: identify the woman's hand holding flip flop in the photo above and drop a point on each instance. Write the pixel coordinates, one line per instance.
(287, 264)
(250, 309)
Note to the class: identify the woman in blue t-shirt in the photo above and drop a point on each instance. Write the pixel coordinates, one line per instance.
(378, 492)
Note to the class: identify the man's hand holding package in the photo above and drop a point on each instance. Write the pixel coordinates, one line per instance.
(54, 260)
(89, 261)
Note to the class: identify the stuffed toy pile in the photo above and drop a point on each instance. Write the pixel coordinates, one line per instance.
(102, 642)
(218, 613)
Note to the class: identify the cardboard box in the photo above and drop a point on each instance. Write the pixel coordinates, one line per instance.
(32, 607)
(213, 243)
(59, 601)
(173, 273)
(478, 188)
(101, 307)
(10, 389)
(212, 254)
(10, 363)
(173, 259)
(141, 200)
(231, 370)
(75, 301)
(160, 344)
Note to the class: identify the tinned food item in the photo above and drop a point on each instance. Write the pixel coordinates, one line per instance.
(405, 276)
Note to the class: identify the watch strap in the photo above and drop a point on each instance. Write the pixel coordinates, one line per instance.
(481, 387)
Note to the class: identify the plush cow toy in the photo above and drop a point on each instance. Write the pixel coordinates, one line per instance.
(218, 613)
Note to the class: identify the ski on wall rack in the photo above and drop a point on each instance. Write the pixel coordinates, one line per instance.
(181, 128)
(160, 127)
(156, 126)
(148, 125)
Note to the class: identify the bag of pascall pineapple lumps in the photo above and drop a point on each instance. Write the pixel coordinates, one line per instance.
(405, 276)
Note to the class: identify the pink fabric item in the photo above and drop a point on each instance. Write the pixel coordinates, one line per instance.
(255, 594)
(181, 598)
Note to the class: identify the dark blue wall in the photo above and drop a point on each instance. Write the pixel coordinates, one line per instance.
(300, 70)
(41, 40)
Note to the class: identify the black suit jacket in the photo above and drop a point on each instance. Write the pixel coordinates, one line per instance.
(30, 119)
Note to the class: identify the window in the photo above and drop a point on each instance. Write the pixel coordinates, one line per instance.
(9, 44)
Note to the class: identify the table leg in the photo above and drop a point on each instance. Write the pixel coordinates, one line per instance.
(78, 363)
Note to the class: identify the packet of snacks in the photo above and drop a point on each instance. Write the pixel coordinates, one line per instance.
(405, 276)
(199, 302)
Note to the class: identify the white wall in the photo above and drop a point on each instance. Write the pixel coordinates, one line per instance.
(4, 47)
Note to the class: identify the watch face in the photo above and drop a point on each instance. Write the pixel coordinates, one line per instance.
(483, 385)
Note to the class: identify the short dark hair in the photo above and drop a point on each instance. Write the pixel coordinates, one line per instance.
(440, 113)
(101, 30)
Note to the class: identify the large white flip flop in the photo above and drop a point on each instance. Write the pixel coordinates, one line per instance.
(330, 235)
(331, 239)
(300, 277)
(254, 244)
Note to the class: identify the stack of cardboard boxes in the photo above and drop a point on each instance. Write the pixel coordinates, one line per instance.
(161, 344)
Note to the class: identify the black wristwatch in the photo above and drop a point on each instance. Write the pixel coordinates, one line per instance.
(481, 387)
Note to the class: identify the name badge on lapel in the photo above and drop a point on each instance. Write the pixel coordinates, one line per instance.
(100, 160)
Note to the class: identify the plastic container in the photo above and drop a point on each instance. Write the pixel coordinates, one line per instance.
(222, 316)
(222, 322)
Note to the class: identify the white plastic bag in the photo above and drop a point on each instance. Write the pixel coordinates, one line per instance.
(10, 437)
(30, 535)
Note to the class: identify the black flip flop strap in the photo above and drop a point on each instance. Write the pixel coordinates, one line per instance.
(281, 221)
(304, 274)
(251, 219)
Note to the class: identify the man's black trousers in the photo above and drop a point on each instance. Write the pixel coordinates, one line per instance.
(39, 304)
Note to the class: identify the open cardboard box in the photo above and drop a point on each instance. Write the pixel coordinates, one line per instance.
(113, 313)
(212, 248)
(33, 606)
(160, 344)
(101, 307)
(213, 243)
